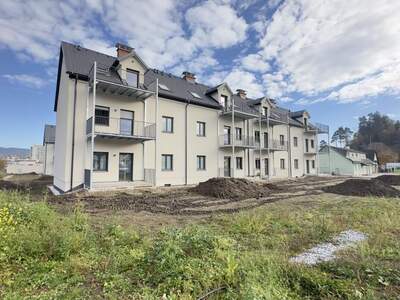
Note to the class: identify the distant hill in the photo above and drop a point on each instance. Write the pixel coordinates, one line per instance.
(18, 152)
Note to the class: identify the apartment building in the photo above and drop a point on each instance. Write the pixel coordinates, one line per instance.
(123, 124)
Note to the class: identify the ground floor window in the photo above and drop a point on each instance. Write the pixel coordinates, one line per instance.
(239, 163)
(313, 164)
(201, 162)
(282, 163)
(257, 164)
(100, 161)
(296, 164)
(167, 162)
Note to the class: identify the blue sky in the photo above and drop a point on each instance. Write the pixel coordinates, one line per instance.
(337, 59)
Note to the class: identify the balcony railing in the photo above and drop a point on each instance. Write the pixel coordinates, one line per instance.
(242, 110)
(240, 141)
(273, 145)
(121, 127)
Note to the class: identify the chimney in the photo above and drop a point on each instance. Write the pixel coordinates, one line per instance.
(122, 49)
(241, 93)
(190, 77)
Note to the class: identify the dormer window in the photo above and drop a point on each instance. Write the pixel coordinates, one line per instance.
(132, 77)
(195, 95)
(305, 123)
(265, 111)
(163, 87)
(224, 101)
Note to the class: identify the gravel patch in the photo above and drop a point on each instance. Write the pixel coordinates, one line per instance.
(327, 251)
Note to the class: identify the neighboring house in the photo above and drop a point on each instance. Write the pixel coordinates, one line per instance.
(24, 166)
(49, 140)
(37, 153)
(345, 161)
(120, 123)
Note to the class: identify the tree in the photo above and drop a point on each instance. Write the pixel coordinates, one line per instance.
(342, 135)
(322, 144)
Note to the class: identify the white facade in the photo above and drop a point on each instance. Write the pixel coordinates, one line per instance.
(24, 166)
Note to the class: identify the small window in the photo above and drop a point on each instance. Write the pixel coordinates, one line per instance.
(295, 141)
(265, 111)
(313, 164)
(312, 143)
(282, 163)
(168, 124)
(201, 162)
(102, 115)
(195, 95)
(257, 136)
(132, 77)
(282, 140)
(201, 129)
(257, 164)
(163, 87)
(166, 162)
(100, 161)
(239, 163)
(238, 132)
(224, 101)
(296, 164)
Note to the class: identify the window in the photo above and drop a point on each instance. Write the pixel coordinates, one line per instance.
(257, 136)
(257, 164)
(282, 140)
(265, 111)
(306, 123)
(195, 95)
(100, 161)
(224, 101)
(238, 131)
(312, 143)
(163, 87)
(313, 164)
(132, 77)
(239, 163)
(201, 129)
(282, 163)
(201, 162)
(295, 141)
(168, 124)
(102, 115)
(166, 162)
(296, 164)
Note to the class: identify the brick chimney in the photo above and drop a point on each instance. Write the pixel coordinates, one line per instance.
(190, 77)
(241, 93)
(122, 49)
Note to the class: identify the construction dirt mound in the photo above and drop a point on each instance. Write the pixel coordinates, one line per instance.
(363, 188)
(38, 185)
(389, 179)
(231, 188)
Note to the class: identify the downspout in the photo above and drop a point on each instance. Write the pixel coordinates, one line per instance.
(233, 134)
(248, 150)
(259, 140)
(186, 142)
(289, 146)
(144, 129)
(268, 142)
(156, 136)
(73, 131)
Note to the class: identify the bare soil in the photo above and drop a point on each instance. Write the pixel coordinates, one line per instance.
(363, 188)
(389, 179)
(36, 185)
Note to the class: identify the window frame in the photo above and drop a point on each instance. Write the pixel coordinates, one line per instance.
(257, 133)
(312, 143)
(164, 165)
(198, 127)
(238, 129)
(224, 101)
(282, 140)
(295, 141)
(296, 163)
(96, 153)
(282, 164)
(199, 167)
(239, 158)
(165, 130)
(312, 164)
(265, 111)
(103, 108)
(259, 164)
(131, 71)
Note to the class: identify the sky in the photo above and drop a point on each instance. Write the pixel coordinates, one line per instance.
(338, 59)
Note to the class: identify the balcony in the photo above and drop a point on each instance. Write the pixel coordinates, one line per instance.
(310, 151)
(121, 128)
(225, 140)
(241, 110)
(273, 145)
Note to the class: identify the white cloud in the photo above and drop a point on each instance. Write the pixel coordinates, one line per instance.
(240, 79)
(27, 80)
(255, 62)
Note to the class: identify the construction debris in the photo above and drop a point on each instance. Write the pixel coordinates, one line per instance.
(363, 188)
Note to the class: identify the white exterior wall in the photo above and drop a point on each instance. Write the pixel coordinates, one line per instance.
(24, 167)
(49, 159)
(297, 152)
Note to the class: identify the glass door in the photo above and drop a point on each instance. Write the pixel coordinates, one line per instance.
(227, 166)
(227, 135)
(125, 167)
(126, 122)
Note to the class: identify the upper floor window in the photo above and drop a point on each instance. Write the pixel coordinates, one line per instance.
(201, 129)
(238, 132)
(312, 143)
(265, 111)
(239, 163)
(282, 140)
(295, 141)
(102, 115)
(132, 77)
(257, 136)
(224, 101)
(282, 163)
(305, 123)
(168, 124)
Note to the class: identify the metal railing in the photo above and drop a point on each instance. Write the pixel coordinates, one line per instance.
(272, 145)
(240, 107)
(150, 176)
(240, 141)
(121, 127)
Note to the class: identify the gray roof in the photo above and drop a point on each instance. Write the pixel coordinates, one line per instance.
(49, 136)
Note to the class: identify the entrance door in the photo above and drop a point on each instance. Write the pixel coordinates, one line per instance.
(125, 167)
(308, 166)
(227, 135)
(126, 122)
(266, 166)
(227, 166)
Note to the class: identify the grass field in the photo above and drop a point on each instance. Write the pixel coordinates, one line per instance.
(48, 255)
